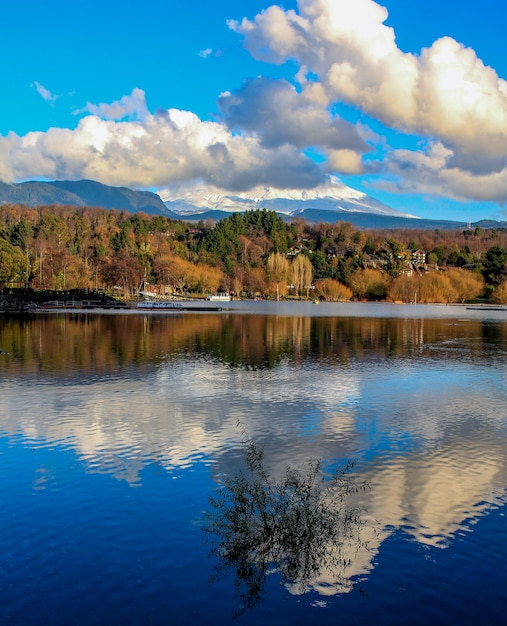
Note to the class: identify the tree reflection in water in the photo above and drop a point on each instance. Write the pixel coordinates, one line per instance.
(297, 526)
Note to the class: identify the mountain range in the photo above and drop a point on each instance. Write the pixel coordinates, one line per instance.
(330, 202)
(81, 193)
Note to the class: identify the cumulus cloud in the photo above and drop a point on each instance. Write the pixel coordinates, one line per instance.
(152, 151)
(280, 115)
(344, 54)
(435, 171)
(445, 92)
(131, 106)
(44, 93)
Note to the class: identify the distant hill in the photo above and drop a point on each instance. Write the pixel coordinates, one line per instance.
(370, 220)
(330, 203)
(83, 193)
(357, 218)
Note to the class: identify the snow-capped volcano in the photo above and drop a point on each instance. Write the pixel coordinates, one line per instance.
(334, 196)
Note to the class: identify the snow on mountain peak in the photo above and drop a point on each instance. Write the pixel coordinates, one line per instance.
(188, 198)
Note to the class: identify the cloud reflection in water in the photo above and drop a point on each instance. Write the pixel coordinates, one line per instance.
(420, 404)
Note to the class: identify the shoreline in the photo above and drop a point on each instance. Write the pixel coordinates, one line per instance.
(11, 306)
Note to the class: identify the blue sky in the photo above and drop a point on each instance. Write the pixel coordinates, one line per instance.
(405, 101)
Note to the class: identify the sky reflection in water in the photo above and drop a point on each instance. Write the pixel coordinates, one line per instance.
(419, 405)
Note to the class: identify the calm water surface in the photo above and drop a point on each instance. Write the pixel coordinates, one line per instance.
(116, 429)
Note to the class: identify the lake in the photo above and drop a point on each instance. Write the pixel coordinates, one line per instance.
(116, 429)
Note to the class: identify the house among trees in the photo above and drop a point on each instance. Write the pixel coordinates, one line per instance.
(418, 257)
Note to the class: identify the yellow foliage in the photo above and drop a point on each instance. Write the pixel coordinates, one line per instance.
(468, 285)
(455, 285)
(275, 290)
(404, 288)
(332, 290)
(369, 283)
(500, 294)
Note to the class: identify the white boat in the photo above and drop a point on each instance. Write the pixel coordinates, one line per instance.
(220, 297)
(159, 305)
(53, 304)
(148, 294)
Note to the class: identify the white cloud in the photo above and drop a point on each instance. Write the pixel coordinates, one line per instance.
(344, 53)
(44, 93)
(204, 54)
(274, 35)
(434, 171)
(445, 92)
(152, 151)
(132, 106)
(280, 115)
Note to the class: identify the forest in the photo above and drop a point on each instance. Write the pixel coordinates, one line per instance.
(255, 254)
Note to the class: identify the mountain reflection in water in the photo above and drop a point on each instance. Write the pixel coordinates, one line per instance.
(418, 404)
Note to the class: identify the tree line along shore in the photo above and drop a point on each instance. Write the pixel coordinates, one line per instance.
(255, 254)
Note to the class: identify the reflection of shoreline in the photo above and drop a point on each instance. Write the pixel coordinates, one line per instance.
(70, 345)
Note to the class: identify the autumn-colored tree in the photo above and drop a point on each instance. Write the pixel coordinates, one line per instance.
(302, 274)
(468, 285)
(245, 243)
(262, 247)
(181, 273)
(443, 287)
(369, 283)
(208, 278)
(125, 273)
(499, 295)
(404, 288)
(162, 268)
(254, 281)
(67, 245)
(277, 274)
(429, 288)
(10, 214)
(436, 287)
(237, 281)
(47, 267)
(332, 290)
